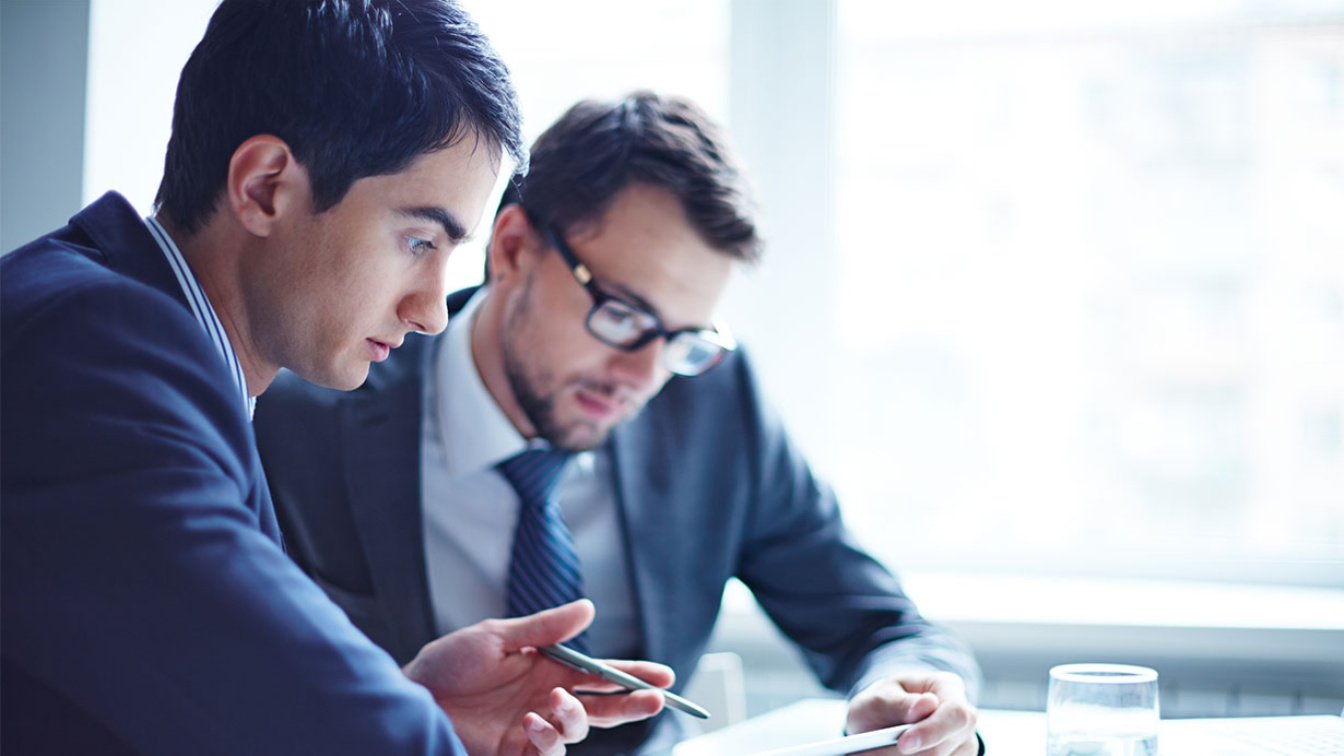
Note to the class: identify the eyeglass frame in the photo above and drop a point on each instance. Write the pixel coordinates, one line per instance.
(717, 335)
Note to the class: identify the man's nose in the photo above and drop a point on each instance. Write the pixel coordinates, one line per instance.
(425, 308)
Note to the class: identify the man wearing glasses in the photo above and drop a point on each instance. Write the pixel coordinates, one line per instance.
(593, 344)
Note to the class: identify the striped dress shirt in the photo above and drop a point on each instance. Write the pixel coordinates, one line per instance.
(200, 307)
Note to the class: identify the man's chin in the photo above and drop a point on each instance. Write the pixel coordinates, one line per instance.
(347, 379)
(584, 432)
(580, 436)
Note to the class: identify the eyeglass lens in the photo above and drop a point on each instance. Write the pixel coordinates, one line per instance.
(618, 324)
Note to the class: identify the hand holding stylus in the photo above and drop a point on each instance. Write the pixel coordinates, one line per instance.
(572, 658)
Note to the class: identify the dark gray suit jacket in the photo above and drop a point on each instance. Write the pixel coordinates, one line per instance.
(708, 488)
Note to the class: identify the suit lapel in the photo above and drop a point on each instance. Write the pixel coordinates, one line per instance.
(380, 426)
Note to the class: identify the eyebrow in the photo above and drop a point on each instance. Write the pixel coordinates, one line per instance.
(457, 233)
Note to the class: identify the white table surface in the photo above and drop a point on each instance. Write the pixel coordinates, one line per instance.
(823, 718)
(1006, 733)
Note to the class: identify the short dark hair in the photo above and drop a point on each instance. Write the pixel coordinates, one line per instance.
(356, 88)
(597, 149)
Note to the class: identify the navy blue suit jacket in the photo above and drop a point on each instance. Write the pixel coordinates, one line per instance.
(148, 605)
(708, 488)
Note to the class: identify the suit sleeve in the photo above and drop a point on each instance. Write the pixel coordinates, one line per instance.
(136, 580)
(845, 609)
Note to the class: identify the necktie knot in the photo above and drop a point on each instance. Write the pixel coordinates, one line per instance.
(534, 474)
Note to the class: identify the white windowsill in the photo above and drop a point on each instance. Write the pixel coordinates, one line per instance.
(1125, 603)
(1116, 619)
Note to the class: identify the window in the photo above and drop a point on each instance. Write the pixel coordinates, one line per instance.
(1088, 287)
(137, 49)
(560, 53)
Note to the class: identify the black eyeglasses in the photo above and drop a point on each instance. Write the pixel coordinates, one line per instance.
(618, 323)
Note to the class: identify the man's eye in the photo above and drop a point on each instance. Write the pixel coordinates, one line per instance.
(619, 316)
(419, 247)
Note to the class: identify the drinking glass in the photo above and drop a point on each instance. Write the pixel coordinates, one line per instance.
(1102, 710)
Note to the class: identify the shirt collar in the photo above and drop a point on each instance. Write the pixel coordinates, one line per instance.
(476, 432)
(200, 307)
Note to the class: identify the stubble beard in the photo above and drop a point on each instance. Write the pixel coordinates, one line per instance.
(527, 385)
(539, 408)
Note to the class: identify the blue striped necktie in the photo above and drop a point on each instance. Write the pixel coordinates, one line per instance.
(545, 569)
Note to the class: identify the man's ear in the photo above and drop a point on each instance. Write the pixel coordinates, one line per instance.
(510, 254)
(265, 182)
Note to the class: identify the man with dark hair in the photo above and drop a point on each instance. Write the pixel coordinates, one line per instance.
(326, 157)
(594, 335)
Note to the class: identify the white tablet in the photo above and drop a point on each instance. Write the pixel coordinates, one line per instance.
(864, 741)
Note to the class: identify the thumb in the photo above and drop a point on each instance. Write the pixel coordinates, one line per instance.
(546, 627)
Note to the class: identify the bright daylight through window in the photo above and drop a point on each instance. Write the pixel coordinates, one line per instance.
(1090, 299)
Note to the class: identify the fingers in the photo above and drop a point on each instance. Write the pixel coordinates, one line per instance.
(944, 722)
(944, 731)
(546, 627)
(570, 724)
(898, 708)
(543, 736)
(920, 707)
(963, 746)
(571, 719)
(610, 711)
(887, 703)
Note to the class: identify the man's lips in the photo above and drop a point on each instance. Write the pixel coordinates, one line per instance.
(596, 405)
(380, 349)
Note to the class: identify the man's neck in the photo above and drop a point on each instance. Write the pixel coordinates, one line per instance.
(487, 352)
(208, 254)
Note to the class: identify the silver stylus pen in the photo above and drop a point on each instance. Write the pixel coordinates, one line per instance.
(583, 663)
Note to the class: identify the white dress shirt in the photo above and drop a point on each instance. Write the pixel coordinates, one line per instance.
(470, 511)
